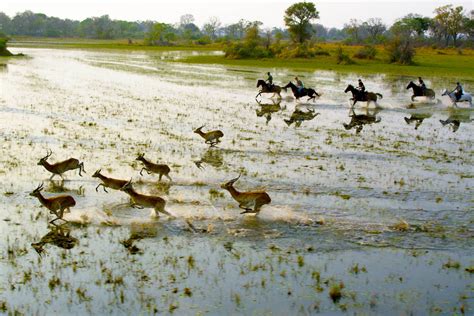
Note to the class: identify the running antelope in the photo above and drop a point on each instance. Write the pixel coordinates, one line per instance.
(212, 137)
(150, 167)
(148, 201)
(115, 184)
(56, 205)
(247, 199)
(60, 167)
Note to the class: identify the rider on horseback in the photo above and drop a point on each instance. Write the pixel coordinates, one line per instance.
(269, 80)
(299, 85)
(361, 89)
(458, 91)
(422, 85)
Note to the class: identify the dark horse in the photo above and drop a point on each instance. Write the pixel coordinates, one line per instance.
(359, 96)
(266, 89)
(298, 93)
(418, 92)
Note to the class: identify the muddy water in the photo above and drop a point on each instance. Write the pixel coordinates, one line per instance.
(384, 211)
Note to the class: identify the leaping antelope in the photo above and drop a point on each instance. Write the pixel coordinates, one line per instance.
(141, 201)
(212, 138)
(60, 167)
(247, 199)
(56, 205)
(107, 182)
(150, 167)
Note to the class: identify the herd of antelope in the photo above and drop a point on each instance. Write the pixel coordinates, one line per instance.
(250, 201)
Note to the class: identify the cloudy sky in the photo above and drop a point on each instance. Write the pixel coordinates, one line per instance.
(333, 13)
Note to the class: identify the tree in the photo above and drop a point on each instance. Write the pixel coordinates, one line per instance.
(375, 28)
(353, 30)
(298, 19)
(449, 22)
(5, 23)
(211, 27)
(160, 34)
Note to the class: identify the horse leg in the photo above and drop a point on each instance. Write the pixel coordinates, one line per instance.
(259, 94)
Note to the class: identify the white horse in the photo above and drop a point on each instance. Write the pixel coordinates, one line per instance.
(466, 97)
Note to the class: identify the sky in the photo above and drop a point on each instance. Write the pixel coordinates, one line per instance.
(333, 13)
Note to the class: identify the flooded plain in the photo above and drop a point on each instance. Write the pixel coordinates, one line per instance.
(371, 212)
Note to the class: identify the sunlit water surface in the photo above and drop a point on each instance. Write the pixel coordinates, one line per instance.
(385, 213)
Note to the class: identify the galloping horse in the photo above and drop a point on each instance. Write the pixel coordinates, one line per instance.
(298, 93)
(466, 97)
(358, 96)
(418, 92)
(266, 89)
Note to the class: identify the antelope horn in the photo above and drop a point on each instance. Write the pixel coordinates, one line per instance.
(235, 179)
(39, 186)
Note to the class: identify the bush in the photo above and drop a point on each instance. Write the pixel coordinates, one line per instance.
(343, 58)
(366, 52)
(400, 51)
(246, 50)
(302, 51)
(3, 47)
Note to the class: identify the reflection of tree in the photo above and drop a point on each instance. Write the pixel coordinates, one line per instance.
(58, 236)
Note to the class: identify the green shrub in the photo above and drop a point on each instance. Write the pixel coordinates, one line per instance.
(302, 51)
(3, 47)
(400, 51)
(342, 58)
(246, 50)
(366, 52)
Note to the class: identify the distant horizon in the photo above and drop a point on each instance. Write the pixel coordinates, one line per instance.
(332, 14)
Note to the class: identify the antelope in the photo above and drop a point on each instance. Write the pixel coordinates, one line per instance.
(150, 167)
(148, 201)
(247, 199)
(60, 167)
(115, 184)
(56, 205)
(212, 137)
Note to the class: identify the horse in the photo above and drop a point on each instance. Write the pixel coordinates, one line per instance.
(275, 89)
(298, 93)
(418, 92)
(466, 97)
(358, 96)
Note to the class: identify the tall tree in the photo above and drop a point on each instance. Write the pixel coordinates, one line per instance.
(449, 22)
(375, 27)
(298, 19)
(211, 27)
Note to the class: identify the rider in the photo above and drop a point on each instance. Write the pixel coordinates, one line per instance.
(458, 91)
(422, 85)
(269, 80)
(361, 88)
(299, 85)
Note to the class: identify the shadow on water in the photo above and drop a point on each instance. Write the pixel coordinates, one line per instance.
(57, 186)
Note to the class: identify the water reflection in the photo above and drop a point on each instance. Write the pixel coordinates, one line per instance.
(57, 186)
(359, 120)
(298, 116)
(267, 109)
(213, 157)
(58, 235)
(456, 118)
(417, 118)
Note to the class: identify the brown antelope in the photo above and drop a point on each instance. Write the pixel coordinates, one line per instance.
(212, 137)
(142, 201)
(150, 167)
(115, 184)
(60, 167)
(247, 199)
(56, 205)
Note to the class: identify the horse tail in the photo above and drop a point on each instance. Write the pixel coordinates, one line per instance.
(380, 96)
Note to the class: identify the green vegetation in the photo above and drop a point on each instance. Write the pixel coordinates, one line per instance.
(3, 46)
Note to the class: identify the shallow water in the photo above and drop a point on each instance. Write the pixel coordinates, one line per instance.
(390, 198)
